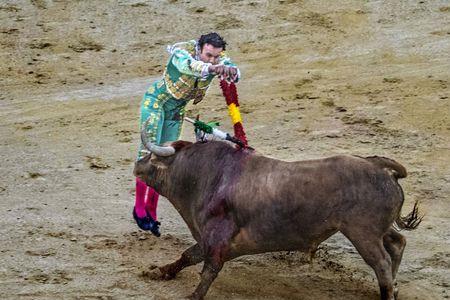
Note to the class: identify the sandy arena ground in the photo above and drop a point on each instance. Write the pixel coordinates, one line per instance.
(319, 78)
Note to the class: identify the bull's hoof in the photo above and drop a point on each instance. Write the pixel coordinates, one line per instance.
(395, 292)
(167, 275)
(154, 274)
(158, 274)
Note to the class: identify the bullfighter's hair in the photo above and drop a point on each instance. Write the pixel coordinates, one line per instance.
(212, 38)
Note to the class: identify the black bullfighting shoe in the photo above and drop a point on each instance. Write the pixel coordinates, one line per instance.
(155, 228)
(147, 223)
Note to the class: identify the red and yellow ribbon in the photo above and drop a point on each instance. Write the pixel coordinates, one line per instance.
(230, 93)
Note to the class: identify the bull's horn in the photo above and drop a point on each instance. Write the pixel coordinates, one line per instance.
(158, 150)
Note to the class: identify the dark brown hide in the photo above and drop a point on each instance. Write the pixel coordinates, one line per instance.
(237, 202)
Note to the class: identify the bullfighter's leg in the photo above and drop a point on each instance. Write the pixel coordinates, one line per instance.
(174, 111)
(151, 112)
(372, 250)
(151, 203)
(394, 243)
(169, 129)
(193, 255)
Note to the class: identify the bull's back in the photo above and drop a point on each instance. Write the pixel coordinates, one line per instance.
(298, 204)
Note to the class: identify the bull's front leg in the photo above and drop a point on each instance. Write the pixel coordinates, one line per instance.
(191, 256)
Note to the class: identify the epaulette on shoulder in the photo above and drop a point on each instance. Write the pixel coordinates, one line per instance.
(188, 46)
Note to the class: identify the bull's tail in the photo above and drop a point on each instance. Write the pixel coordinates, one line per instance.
(397, 170)
(411, 221)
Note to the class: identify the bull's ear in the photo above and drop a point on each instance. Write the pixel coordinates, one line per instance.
(178, 145)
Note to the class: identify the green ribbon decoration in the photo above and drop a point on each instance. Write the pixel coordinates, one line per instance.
(205, 127)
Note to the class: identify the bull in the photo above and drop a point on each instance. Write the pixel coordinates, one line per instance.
(238, 202)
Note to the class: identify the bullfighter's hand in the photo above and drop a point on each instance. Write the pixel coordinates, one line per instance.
(232, 74)
(217, 69)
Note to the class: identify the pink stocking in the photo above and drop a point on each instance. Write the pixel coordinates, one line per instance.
(139, 205)
(152, 202)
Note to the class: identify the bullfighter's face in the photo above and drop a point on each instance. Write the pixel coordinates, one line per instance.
(210, 54)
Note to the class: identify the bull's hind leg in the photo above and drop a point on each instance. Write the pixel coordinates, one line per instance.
(394, 243)
(211, 269)
(193, 255)
(216, 241)
(370, 247)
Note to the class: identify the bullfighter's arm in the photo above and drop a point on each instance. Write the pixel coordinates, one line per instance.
(186, 64)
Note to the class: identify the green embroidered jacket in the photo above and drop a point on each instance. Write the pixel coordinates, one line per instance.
(185, 77)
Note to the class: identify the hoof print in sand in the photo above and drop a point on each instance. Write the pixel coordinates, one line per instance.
(96, 163)
(55, 277)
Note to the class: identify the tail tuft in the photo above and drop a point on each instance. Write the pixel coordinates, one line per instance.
(411, 221)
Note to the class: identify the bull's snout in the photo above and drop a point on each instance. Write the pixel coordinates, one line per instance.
(141, 167)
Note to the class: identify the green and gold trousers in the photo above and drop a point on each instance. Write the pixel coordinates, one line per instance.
(165, 115)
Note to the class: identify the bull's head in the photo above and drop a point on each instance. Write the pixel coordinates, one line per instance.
(154, 168)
